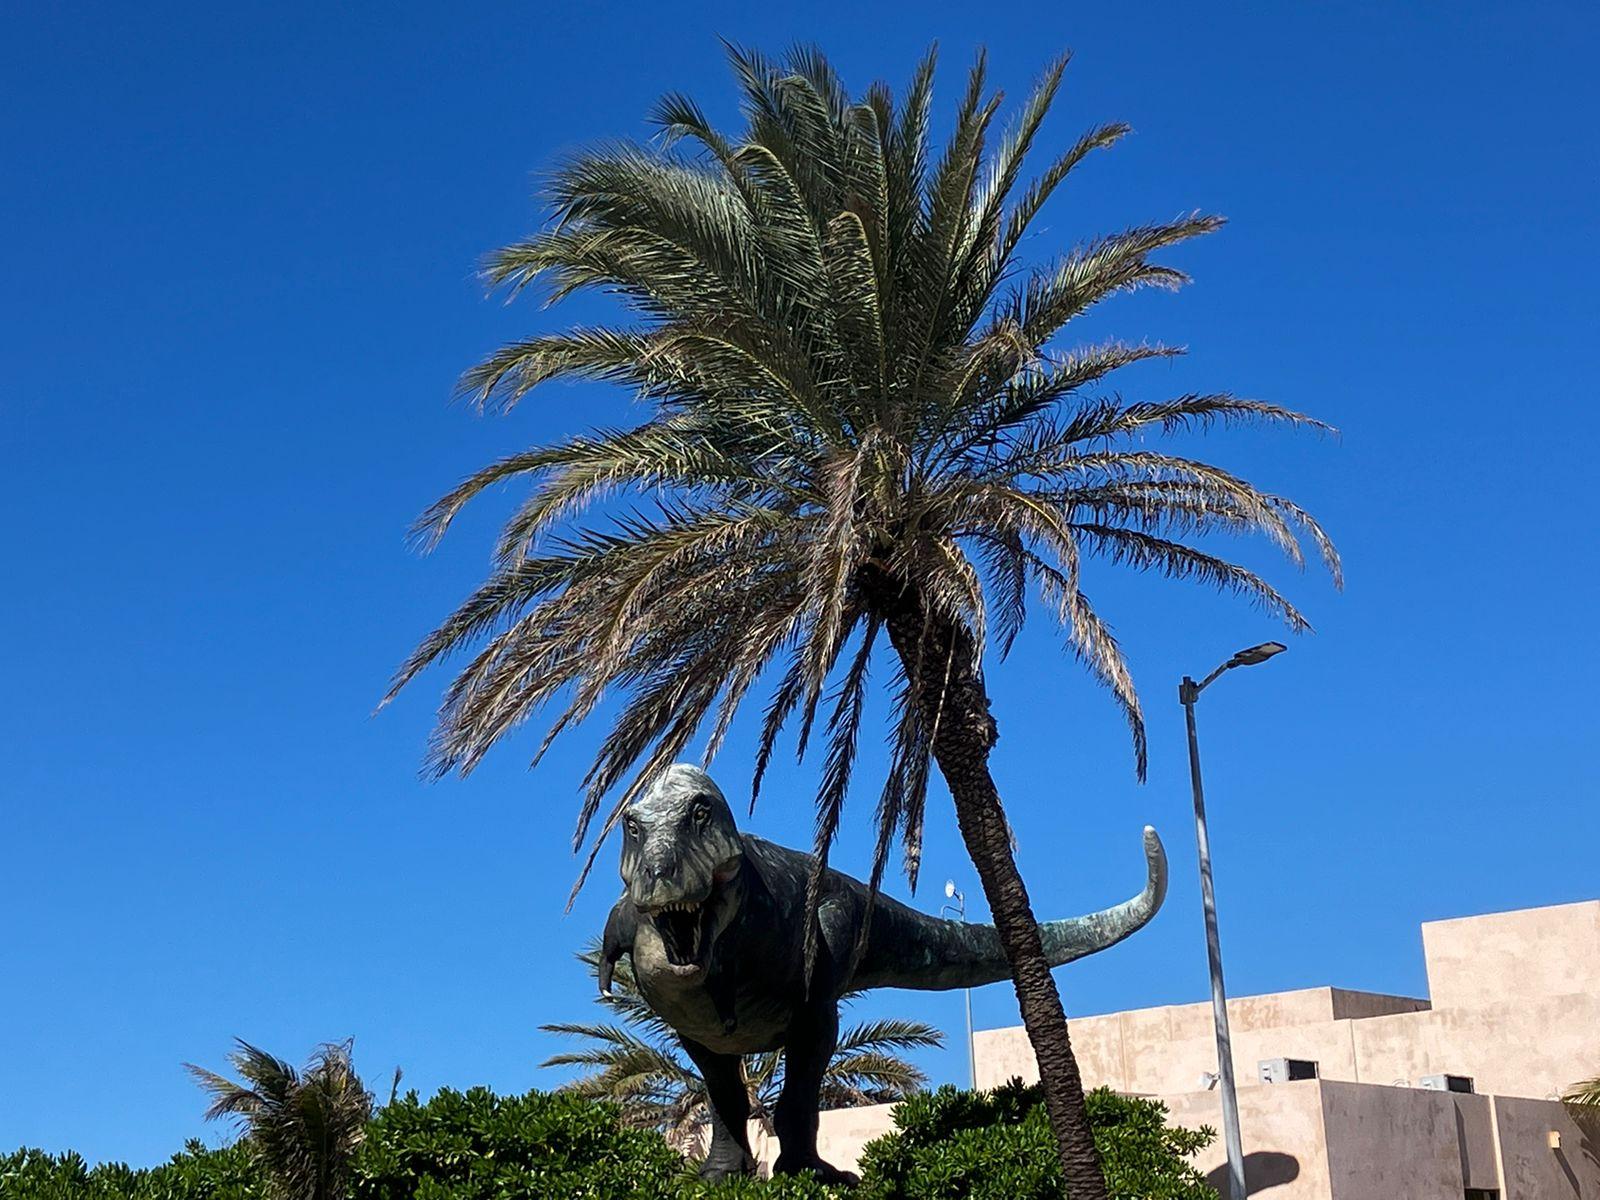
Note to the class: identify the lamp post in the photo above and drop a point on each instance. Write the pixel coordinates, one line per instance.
(958, 902)
(1189, 692)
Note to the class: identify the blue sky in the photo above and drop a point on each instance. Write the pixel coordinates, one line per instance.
(239, 250)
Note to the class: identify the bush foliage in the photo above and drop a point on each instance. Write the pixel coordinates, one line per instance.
(958, 1145)
(478, 1146)
(197, 1173)
(475, 1145)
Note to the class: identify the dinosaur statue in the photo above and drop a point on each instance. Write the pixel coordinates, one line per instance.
(712, 920)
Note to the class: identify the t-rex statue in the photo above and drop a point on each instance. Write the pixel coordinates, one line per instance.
(712, 919)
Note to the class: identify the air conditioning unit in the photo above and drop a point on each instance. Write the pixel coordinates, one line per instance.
(1286, 1070)
(1446, 1083)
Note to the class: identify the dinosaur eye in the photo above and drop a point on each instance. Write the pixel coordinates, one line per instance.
(630, 826)
(701, 811)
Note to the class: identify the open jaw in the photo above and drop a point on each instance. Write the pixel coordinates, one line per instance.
(684, 927)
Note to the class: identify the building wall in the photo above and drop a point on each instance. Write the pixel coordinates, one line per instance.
(1536, 1170)
(1537, 1047)
(1522, 1020)
(1507, 958)
(1385, 1143)
(1326, 1140)
(1161, 1050)
(1286, 1150)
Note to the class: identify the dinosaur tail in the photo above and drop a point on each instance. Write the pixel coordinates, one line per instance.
(909, 949)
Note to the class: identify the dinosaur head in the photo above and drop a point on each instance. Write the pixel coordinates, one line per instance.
(680, 852)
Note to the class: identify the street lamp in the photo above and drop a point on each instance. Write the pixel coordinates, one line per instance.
(958, 903)
(1189, 692)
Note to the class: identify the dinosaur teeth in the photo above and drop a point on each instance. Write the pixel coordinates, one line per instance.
(680, 924)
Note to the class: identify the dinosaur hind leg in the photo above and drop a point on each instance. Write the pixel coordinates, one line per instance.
(729, 1153)
(812, 1040)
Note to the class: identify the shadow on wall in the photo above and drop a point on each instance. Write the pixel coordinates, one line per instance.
(1263, 1169)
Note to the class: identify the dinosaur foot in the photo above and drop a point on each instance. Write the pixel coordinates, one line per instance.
(825, 1172)
(728, 1164)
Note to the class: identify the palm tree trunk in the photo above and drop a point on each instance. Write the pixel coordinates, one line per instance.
(963, 761)
(965, 734)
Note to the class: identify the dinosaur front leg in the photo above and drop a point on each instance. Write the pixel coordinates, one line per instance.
(812, 1040)
(730, 1112)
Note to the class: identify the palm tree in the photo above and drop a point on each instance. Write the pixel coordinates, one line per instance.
(303, 1125)
(635, 1063)
(861, 425)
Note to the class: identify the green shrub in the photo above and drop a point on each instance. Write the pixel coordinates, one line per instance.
(456, 1146)
(200, 1173)
(957, 1145)
(35, 1175)
(784, 1187)
(476, 1145)
(197, 1173)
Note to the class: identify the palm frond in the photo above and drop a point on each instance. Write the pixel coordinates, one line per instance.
(889, 1034)
(869, 1078)
(853, 372)
(1584, 1095)
(1118, 263)
(1178, 561)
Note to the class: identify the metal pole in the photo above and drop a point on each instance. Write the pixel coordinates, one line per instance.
(972, 1054)
(1188, 693)
(953, 893)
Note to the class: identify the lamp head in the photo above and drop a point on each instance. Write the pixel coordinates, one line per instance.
(949, 889)
(1256, 654)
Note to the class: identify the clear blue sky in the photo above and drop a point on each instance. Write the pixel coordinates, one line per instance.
(238, 257)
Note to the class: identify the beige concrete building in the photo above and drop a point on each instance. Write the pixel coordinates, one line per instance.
(1514, 1002)
(1514, 1005)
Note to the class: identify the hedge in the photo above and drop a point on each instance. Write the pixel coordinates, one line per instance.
(476, 1145)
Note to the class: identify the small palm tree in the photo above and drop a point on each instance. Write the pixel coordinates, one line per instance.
(304, 1126)
(862, 428)
(635, 1063)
